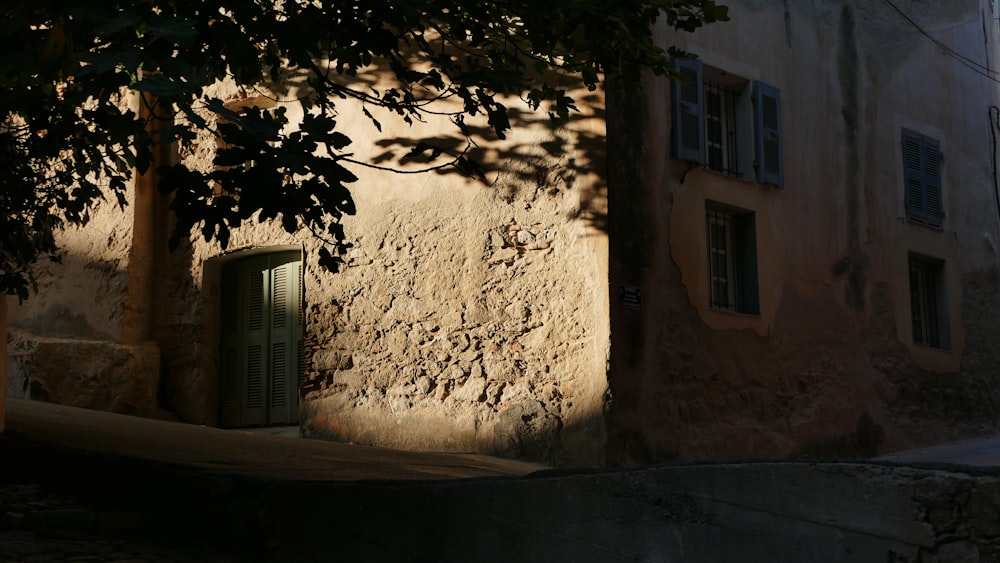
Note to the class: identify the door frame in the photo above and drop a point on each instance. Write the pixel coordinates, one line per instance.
(212, 283)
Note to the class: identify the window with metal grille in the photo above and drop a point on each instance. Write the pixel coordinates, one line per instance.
(727, 123)
(922, 178)
(928, 302)
(732, 259)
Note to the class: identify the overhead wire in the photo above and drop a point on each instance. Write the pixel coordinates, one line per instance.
(971, 64)
(978, 68)
(994, 117)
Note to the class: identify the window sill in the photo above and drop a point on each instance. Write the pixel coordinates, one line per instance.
(933, 225)
(938, 360)
(723, 173)
(723, 320)
(749, 181)
(930, 348)
(735, 313)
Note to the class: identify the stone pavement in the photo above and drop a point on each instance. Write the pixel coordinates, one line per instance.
(88, 486)
(83, 485)
(216, 451)
(978, 452)
(39, 525)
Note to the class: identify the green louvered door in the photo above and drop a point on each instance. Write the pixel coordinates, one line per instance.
(261, 340)
(285, 342)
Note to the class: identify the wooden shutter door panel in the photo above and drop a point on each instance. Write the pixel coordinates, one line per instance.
(295, 328)
(256, 281)
(254, 411)
(230, 387)
(767, 135)
(922, 178)
(231, 380)
(931, 157)
(912, 172)
(280, 377)
(687, 112)
(284, 353)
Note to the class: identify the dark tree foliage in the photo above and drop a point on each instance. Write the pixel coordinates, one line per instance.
(67, 138)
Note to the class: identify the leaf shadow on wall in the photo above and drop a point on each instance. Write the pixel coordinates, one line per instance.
(542, 157)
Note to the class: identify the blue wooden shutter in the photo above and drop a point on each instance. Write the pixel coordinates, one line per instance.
(768, 150)
(932, 181)
(913, 177)
(687, 140)
(922, 178)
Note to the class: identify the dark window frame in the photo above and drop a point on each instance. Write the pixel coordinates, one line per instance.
(721, 132)
(928, 302)
(731, 240)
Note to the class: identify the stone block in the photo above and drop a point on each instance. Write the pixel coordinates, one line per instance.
(94, 374)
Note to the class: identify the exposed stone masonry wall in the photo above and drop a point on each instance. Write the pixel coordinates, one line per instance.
(469, 316)
(464, 321)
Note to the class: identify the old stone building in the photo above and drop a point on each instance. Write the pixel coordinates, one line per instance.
(811, 221)
(470, 316)
(791, 252)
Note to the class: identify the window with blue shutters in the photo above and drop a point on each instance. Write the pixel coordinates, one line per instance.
(726, 123)
(922, 178)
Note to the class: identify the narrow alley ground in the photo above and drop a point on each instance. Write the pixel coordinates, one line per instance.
(89, 486)
(41, 525)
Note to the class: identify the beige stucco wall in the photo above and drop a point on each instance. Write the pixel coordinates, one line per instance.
(83, 295)
(63, 343)
(512, 270)
(469, 316)
(79, 340)
(829, 366)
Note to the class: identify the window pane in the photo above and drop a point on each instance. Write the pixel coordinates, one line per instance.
(927, 300)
